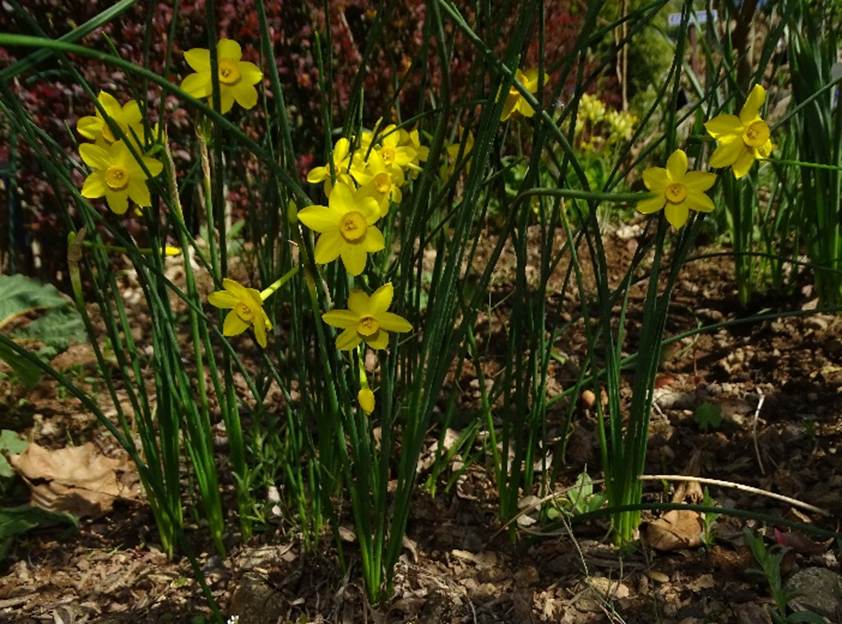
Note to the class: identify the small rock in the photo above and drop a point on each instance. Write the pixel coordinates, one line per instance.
(816, 589)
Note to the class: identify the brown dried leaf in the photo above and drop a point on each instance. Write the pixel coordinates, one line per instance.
(675, 530)
(78, 480)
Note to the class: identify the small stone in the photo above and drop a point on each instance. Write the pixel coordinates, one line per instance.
(816, 589)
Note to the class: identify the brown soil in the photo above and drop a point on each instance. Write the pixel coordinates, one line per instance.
(457, 565)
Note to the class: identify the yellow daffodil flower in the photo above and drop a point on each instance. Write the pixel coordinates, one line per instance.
(677, 190)
(412, 140)
(515, 102)
(246, 305)
(236, 77)
(365, 398)
(453, 150)
(392, 152)
(344, 165)
(381, 182)
(741, 140)
(367, 319)
(127, 117)
(116, 175)
(346, 226)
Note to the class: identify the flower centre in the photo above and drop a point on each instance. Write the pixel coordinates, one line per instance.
(367, 326)
(756, 134)
(244, 312)
(353, 226)
(383, 182)
(229, 73)
(387, 154)
(116, 178)
(676, 193)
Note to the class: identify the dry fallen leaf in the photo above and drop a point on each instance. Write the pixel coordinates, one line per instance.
(79, 480)
(676, 529)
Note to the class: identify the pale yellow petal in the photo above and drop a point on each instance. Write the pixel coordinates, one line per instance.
(751, 108)
(354, 258)
(197, 85)
(233, 325)
(94, 156)
(139, 192)
(342, 319)
(359, 303)
(222, 299)
(727, 153)
(653, 204)
(724, 125)
(392, 322)
(90, 127)
(348, 339)
(250, 73)
(655, 178)
(319, 218)
(317, 174)
(373, 240)
(742, 165)
(699, 202)
(342, 198)
(117, 201)
(328, 247)
(381, 298)
(198, 59)
(677, 164)
(94, 186)
(245, 94)
(699, 180)
(260, 331)
(229, 49)
(380, 340)
(677, 214)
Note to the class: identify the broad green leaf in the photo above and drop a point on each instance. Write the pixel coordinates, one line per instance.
(16, 521)
(20, 295)
(27, 373)
(10, 443)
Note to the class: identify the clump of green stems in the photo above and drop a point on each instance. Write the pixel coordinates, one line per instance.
(324, 455)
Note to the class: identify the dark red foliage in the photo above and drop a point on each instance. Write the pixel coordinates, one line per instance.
(55, 99)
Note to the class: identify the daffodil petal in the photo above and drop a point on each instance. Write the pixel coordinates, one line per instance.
(197, 85)
(342, 319)
(353, 257)
(139, 192)
(341, 149)
(723, 125)
(131, 114)
(381, 298)
(229, 49)
(677, 164)
(374, 240)
(260, 331)
(751, 108)
(317, 174)
(222, 299)
(226, 97)
(348, 339)
(328, 247)
(742, 165)
(699, 180)
(245, 94)
(727, 153)
(380, 340)
(359, 302)
(198, 59)
(90, 127)
(235, 288)
(250, 73)
(764, 150)
(393, 322)
(508, 107)
(233, 325)
(655, 178)
(118, 201)
(94, 186)
(653, 204)
(677, 214)
(110, 104)
(318, 218)
(94, 156)
(342, 198)
(699, 202)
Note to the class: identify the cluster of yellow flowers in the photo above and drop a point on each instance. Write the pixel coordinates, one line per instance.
(741, 140)
(115, 172)
(598, 126)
